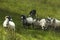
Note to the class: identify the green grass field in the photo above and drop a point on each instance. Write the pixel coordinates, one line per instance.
(15, 8)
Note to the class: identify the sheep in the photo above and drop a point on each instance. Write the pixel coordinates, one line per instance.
(39, 23)
(55, 23)
(8, 23)
(44, 23)
(27, 21)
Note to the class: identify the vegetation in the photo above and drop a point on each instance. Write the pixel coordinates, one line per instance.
(15, 8)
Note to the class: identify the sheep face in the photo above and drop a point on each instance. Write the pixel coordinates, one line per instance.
(9, 18)
(23, 17)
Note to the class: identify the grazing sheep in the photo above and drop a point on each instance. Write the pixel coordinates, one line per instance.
(44, 23)
(55, 23)
(9, 23)
(27, 21)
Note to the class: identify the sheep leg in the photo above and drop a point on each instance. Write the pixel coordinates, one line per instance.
(33, 26)
(54, 27)
(42, 27)
(14, 29)
(8, 28)
(45, 27)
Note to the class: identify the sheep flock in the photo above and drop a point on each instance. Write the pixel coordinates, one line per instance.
(32, 20)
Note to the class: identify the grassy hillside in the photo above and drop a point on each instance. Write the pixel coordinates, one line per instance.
(15, 8)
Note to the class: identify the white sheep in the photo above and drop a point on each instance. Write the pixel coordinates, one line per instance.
(43, 23)
(55, 23)
(27, 21)
(9, 23)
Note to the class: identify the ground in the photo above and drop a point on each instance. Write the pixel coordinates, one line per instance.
(15, 8)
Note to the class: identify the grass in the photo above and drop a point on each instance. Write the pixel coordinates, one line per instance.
(15, 8)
